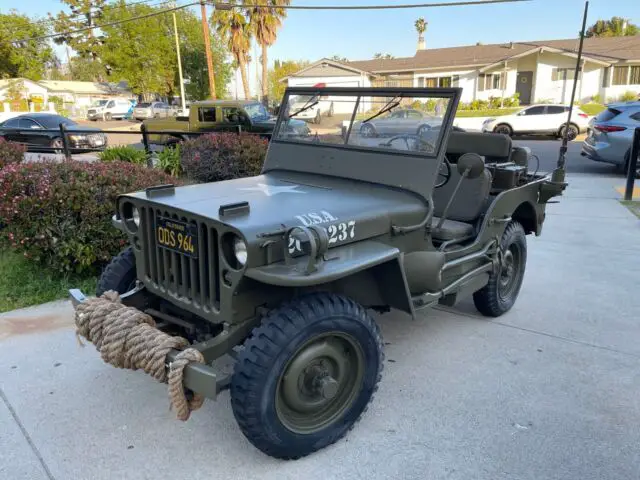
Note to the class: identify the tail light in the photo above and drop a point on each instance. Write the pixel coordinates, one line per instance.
(583, 115)
(609, 128)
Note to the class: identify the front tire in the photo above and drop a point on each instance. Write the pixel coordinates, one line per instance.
(504, 129)
(306, 375)
(120, 273)
(499, 295)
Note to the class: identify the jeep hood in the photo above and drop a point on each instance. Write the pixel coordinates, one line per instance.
(287, 199)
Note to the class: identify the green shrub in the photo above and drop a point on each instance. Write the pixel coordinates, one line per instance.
(59, 213)
(11, 153)
(169, 161)
(628, 96)
(123, 153)
(223, 156)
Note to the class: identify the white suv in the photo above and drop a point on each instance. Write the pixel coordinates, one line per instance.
(539, 120)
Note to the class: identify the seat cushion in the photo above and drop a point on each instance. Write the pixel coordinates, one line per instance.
(450, 229)
(470, 200)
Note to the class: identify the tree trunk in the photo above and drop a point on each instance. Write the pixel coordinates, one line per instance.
(245, 80)
(265, 83)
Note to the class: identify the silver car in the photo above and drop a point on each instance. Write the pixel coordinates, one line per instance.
(610, 134)
(142, 111)
(399, 122)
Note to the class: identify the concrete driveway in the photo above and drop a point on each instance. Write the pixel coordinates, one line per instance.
(549, 391)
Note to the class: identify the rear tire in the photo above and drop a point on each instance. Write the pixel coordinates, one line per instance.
(504, 129)
(306, 375)
(108, 117)
(574, 131)
(499, 295)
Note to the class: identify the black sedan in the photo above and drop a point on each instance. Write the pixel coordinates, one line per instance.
(41, 132)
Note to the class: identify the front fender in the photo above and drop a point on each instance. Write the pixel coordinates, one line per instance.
(381, 261)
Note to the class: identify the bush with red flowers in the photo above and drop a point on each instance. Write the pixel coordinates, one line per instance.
(11, 153)
(222, 156)
(59, 214)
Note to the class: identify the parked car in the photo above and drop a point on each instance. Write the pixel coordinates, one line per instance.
(610, 134)
(314, 112)
(399, 121)
(109, 109)
(31, 130)
(152, 110)
(539, 120)
(218, 116)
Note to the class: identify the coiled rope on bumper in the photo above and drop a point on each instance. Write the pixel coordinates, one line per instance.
(128, 338)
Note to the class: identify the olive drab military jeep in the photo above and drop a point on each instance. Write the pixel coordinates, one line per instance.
(382, 206)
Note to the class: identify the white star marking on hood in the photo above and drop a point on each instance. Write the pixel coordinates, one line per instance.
(270, 190)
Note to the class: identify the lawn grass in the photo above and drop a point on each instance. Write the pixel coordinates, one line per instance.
(23, 284)
(492, 112)
(633, 206)
(592, 108)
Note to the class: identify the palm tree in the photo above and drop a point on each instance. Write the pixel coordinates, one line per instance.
(265, 22)
(233, 27)
(421, 26)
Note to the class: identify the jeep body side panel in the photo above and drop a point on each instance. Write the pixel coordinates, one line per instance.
(383, 278)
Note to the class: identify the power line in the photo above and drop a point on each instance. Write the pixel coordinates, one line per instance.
(227, 6)
(106, 8)
(110, 24)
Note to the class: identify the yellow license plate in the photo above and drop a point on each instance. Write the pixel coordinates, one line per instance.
(177, 236)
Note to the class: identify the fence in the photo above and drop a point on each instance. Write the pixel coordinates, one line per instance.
(46, 139)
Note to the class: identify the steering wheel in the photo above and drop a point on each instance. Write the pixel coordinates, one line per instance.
(406, 137)
(446, 175)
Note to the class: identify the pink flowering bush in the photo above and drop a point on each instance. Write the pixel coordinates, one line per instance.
(222, 156)
(59, 214)
(10, 153)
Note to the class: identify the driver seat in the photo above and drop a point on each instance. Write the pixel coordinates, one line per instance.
(467, 206)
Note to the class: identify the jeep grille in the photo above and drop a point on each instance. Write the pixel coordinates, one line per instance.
(191, 281)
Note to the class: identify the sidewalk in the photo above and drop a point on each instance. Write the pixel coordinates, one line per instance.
(548, 391)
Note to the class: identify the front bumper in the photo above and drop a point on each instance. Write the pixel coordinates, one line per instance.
(198, 377)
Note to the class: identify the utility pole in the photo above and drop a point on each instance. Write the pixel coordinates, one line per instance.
(207, 48)
(175, 31)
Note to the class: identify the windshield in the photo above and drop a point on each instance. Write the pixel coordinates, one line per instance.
(99, 103)
(256, 111)
(143, 105)
(409, 121)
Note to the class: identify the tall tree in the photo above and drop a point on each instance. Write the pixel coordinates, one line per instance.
(29, 59)
(385, 56)
(338, 58)
(87, 44)
(235, 30)
(265, 22)
(141, 52)
(421, 26)
(615, 27)
(280, 70)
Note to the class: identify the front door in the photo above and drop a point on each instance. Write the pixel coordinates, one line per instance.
(523, 87)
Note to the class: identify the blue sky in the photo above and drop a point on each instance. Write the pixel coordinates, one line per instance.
(358, 35)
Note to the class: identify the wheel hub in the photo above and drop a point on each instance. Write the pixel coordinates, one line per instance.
(319, 383)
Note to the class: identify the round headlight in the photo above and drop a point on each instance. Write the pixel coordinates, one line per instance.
(240, 251)
(135, 215)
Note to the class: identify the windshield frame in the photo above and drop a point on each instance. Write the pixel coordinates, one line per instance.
(396, 93)
(259, 105)
(411, 171)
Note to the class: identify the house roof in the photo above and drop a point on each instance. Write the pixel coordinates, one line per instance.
(601, 49)
(94, 88)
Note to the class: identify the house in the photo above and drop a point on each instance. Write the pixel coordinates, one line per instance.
(78, 94)
(539, 71)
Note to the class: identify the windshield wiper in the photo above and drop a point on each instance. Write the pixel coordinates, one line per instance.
(393, 103)
(306, 106)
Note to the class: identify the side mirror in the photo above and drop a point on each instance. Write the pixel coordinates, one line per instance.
(470, 165)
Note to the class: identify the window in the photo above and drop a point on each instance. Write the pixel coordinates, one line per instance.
(455, 80)
(607, 115)
(414, 114)
(421, 82)
(561, 74)
(635, 116)
(207, 114)
(620, 75)
(13, 123)
(26, 123)
(431, 82)
(444, 82)
(554, 109)
(491, 81)
(634, 76)
(534, 111)
(232, 115)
